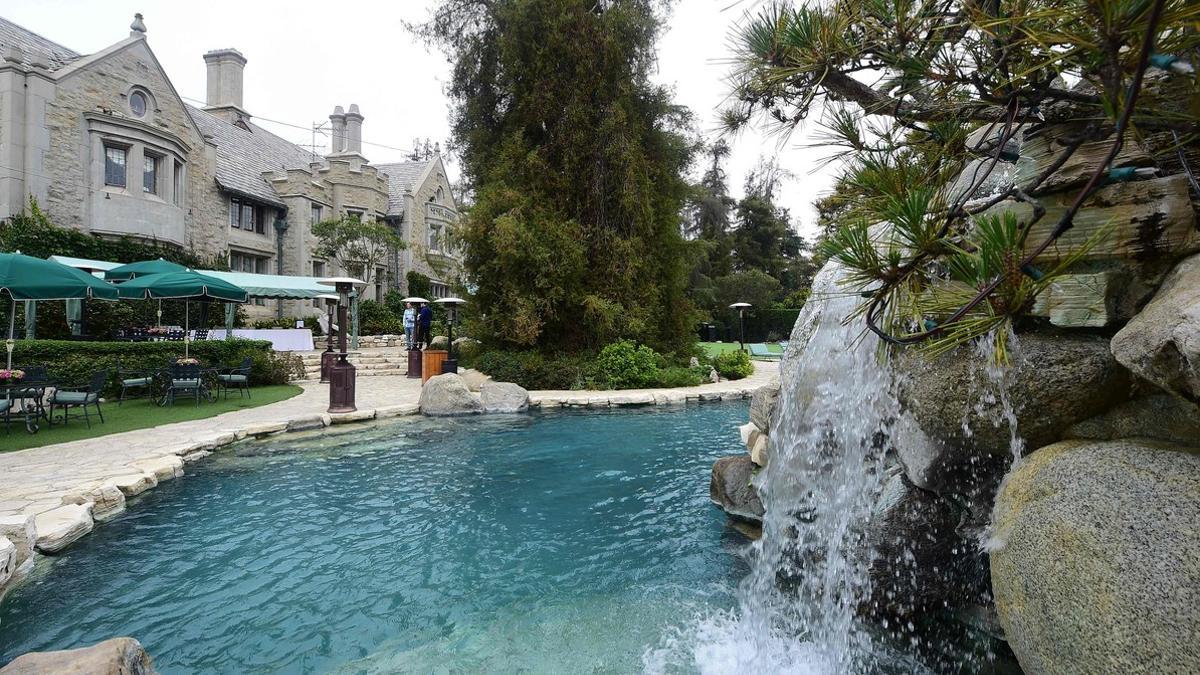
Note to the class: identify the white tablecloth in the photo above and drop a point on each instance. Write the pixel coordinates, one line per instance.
(282, 339)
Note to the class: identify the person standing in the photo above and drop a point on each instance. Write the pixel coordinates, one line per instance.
(425, 321)
(410, 324)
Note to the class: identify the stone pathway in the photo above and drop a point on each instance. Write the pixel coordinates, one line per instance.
(52, 494)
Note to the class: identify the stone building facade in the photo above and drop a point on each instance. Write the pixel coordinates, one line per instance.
(106, 144)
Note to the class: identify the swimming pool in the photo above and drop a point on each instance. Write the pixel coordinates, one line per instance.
(549, 542)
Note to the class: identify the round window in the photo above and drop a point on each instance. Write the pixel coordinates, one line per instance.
(137, 103)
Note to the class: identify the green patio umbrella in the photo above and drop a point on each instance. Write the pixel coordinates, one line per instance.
(26, 278)
(185, 285)
(141, 268)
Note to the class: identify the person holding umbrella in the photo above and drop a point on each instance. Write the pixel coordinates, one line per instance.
(410, 323)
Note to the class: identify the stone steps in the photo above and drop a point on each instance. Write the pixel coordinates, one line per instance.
(367, 363)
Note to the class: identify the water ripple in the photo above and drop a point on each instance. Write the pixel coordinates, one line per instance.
(542, 543)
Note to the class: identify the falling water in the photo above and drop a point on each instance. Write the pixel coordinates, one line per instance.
(797, 608)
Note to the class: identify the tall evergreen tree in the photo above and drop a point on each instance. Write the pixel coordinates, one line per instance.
(575, 160)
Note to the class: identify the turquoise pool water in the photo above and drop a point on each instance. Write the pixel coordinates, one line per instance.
(558, 542)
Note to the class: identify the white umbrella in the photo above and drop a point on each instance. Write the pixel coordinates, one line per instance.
(415, 299)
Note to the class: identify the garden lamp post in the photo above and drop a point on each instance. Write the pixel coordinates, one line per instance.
(741, 310)
(341, 372)
(450, 365)
(328, 356)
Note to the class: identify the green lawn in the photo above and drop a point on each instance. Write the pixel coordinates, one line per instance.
(138, 414)
(714, 348)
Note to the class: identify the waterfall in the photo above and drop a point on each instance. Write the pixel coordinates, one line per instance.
(797, 608)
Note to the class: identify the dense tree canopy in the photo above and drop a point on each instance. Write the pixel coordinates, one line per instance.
(899, 86)
(575, 161)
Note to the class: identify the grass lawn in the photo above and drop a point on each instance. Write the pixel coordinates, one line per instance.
(714, 348)
(138, 414)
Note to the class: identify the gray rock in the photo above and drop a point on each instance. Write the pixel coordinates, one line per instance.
(439, 342)
(1161, 417)
(1057, 379)
(8, 560)
(19, 528)
(1095, 558)
(763, 404)
(713, 376)
(503, 397)
(1162, 343)
(118, 656)
(730, 488)
(473, 378)
(916, 557)
(447, 394)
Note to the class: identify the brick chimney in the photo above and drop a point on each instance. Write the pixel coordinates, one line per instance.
(224, 98)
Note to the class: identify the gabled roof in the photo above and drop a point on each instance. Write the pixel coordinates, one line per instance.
(244, 154)
(12, 35)
(403, 178)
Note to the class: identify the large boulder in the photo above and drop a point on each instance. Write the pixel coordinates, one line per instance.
(1095, 558)
(473, 378)
(1162, 343)
(503, 397)
(1160, 417)
(59, 528)
(916, 558)
(439, 342)
(447, 394)
(118, 656)
(1056, 380)
(763, 403)
(731, 489)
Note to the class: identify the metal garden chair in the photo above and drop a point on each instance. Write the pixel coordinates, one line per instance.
(185, 379)
(80, 397)
(138, 380)
(236, 378)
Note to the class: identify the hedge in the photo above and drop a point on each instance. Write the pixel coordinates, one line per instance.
(72, 362)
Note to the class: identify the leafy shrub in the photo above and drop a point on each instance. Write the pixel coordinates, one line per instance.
(72, 362)
(679, 376)
(733, 365)
(623, 365)
(531, 369)
(374, 318)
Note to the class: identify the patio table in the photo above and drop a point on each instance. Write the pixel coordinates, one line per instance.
(27, 400)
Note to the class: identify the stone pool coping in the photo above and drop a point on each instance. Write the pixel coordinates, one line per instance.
(53, 495)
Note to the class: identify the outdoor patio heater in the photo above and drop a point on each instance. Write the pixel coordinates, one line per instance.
(342, 372)
(450, 365)
(329, 355)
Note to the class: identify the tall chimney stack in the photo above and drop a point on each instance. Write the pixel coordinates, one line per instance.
(224, 97)
(354, 120)
(337, 124)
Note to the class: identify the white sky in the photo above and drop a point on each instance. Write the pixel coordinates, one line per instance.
(306, 57)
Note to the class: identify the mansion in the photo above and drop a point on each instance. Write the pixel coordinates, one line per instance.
(106, 145)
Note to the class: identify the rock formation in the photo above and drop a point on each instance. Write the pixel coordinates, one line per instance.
(118, 656)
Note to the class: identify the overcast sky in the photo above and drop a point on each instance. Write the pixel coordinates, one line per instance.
(304, 58)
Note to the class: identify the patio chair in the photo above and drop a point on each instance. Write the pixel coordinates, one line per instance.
(80, 397)
(183, 379)
(236, 378)
(142, 380)
(759, 350)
